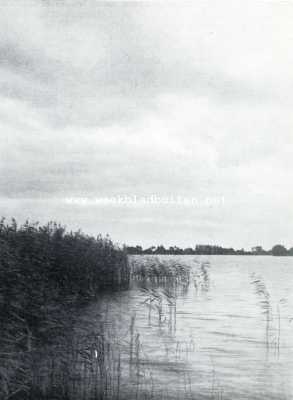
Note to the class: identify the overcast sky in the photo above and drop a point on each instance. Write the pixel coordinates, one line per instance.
(139, 99)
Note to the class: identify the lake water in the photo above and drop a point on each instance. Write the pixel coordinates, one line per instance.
(224, 332)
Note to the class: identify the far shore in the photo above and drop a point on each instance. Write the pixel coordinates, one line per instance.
(278, 251)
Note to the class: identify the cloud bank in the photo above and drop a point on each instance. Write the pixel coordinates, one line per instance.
(103, 99)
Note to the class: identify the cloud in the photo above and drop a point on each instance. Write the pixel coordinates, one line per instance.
(95, 65)
(100, 99)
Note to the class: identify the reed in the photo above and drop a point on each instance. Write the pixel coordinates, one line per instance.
(272, 320)
(46, 275)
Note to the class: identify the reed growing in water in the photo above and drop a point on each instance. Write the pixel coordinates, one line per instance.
(53, 347)
(45, 274)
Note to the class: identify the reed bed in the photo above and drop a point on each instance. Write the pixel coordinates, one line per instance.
(157, 272)
(46, 276)
(54, 347)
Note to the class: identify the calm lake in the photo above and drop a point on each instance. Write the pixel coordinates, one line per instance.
(224, 330)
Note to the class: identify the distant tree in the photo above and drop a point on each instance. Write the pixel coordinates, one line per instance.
(240, 252)
(134, 250)
(258, 250)
(178, 250)
(170, 250)
(188, 250)
(279, 250)
(202, 249)
(198, 249)
(174, 250)
(290, 252)
(150, 250)
(160, 250)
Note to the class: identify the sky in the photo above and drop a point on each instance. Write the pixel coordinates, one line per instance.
(154, 122)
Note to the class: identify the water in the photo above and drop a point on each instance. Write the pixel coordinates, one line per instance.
(227, 333)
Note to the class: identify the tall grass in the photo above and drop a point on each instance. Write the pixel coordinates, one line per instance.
(45, 273)
(265, 303)
(156, 272)
(272, 320)
(55, 348)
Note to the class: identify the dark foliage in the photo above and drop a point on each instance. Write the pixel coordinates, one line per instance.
(198, 249)
(45, 273)
(277, 250)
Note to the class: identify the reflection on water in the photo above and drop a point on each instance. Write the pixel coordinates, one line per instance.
(212, 327)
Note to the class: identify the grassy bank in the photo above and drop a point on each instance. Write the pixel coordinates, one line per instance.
(46, 274)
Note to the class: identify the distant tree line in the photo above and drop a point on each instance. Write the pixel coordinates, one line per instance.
(277, 250)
